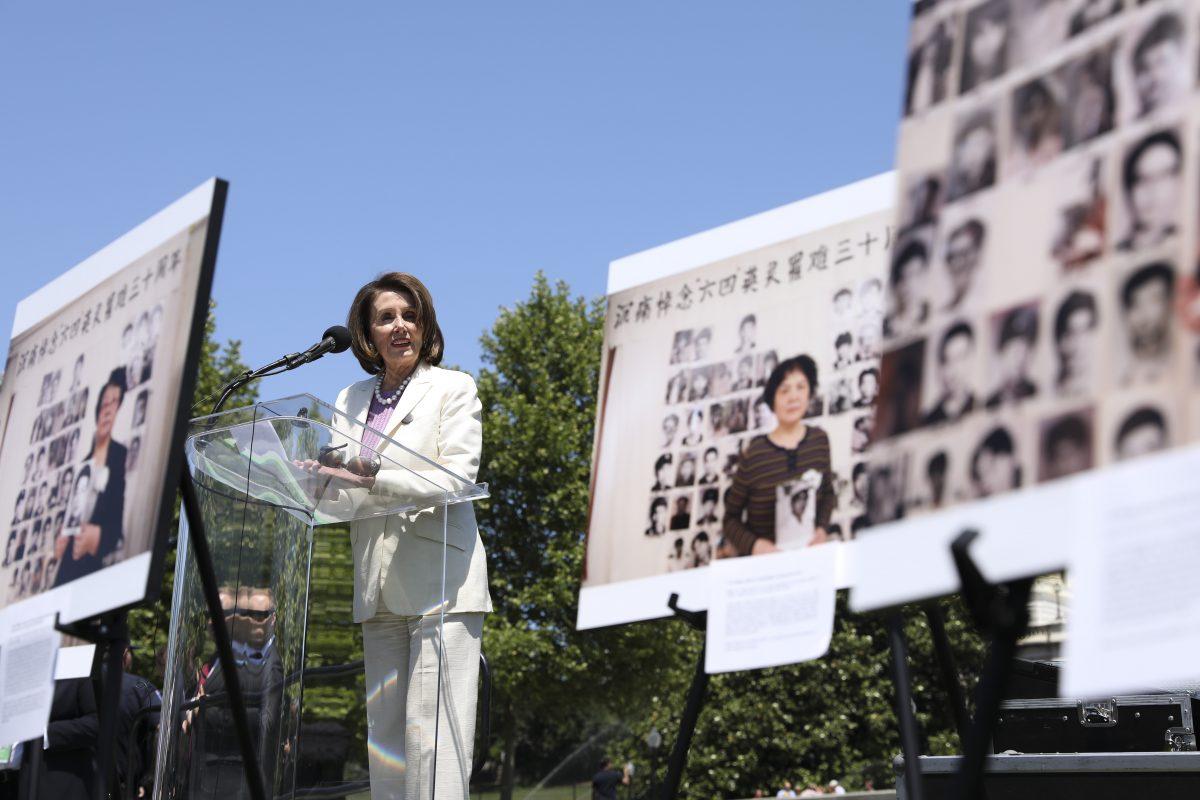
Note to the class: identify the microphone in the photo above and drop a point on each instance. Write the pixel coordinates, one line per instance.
(336, 339)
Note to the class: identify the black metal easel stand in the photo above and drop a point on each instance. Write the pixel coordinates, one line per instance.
(910, 733)
(216, 615)
(110, 633)
(696, 620)
(1002, 612)
(949, 671)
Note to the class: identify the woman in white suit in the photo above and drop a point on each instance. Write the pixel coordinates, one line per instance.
(398, 577)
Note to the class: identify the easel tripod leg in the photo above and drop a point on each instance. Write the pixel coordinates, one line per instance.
(945, 659)
(910, 736)
(993, 685)
(113, 635)
(687, 728)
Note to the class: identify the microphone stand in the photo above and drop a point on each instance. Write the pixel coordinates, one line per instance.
(276, 367)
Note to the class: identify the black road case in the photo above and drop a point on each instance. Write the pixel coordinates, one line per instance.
(1095, 776)
(1144, 723)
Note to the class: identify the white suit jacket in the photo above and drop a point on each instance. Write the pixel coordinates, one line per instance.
(398, 558)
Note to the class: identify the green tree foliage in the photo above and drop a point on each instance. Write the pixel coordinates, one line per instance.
(538, 389)
(148, 625)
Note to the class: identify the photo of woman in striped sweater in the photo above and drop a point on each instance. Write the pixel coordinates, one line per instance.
(792, 458)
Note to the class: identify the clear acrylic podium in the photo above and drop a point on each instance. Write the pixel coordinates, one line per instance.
(265, 475)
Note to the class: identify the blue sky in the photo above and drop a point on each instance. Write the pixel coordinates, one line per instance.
(472, 143)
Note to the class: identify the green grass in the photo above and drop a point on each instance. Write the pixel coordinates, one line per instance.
(583, 791)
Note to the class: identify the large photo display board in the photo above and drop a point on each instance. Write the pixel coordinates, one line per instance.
(96, 384)
(686, 398)
(1037, 294)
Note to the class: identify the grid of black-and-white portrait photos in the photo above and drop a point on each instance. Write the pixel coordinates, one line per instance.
(60, 482)
(1045, 240)
(713, 407)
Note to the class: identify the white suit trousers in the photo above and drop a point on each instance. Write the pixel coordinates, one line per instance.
(401, 657)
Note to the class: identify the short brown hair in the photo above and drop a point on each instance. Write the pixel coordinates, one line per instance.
(359, 320)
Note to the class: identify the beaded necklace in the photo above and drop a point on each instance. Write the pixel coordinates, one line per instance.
(393, 395)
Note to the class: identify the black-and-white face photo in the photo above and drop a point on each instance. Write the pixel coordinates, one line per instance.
(995, 465)
(870, 300)
(732, 454)
(922, 203)
(887, 485)
(761, 418)
(868, 388)
(860, 436)
(737, 415)
(936, 475)
(973, 166)
(843, 303)
(702, 344)
(77, 375)
(858, 484)
(139, 408)
(747, 333)
(844, 354)
(1015, 340)
(659, 517)
(664, 472)
(717, 426)
(1066, 445)
(1090, 101)
(1037, 123)
(1142, 431)
(1086, 14)
(765, 366)
(1039, 26)
(694, 430)
(710, 467)
(988, 34)
(681, 512)
(930, 58)
(701, 549)
(685, 475)
(870, 332)
(699, 383)
(722, 378)
(1146, 298)
(1076, 342)
(1152, 183)
(706, 514)
(681, 347)
(677, 387)
(1081, 230)
(963, 257)
(1161, 74)
(670, 430)
(744, 375)
(908, 280)
(841, 395)
(955, 359)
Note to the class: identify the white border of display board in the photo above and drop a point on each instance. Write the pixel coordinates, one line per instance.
(646, 598)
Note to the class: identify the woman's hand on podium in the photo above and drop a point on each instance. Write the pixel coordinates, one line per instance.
(337, 477)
